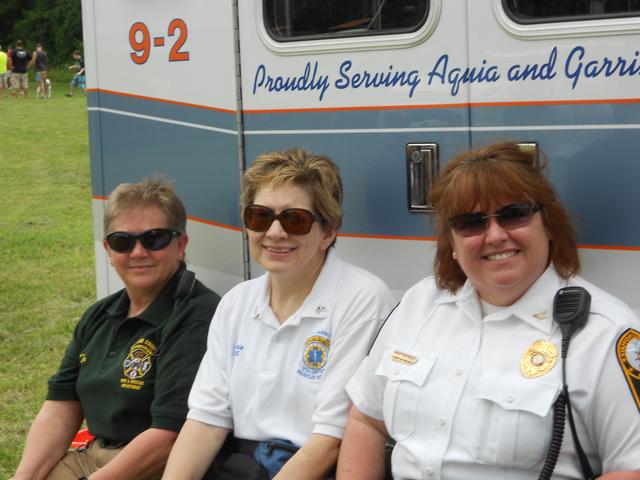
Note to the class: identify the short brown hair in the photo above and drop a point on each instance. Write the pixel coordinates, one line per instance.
(150, 192)
(316, 173)
(490, 175)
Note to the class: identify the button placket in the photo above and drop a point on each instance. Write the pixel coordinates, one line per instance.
(111, 350)
(275, 351)
(459, 380)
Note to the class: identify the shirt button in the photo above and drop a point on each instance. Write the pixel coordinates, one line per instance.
(429, 471)
(112, 354)
(458, 371)
(442, 421)
(509, 399)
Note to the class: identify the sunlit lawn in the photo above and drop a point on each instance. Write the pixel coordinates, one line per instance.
(46, 251)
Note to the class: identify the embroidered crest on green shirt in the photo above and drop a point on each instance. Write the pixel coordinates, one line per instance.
(137, 364)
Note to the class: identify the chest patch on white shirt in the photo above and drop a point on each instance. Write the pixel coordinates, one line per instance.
(628, 353)
(315, 354)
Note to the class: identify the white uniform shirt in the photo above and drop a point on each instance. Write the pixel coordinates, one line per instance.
(464, 410)
(264, 380)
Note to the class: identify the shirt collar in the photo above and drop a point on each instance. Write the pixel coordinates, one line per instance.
(535, 307)
(119, 308)
(157, 312)
(467, 300)
(320, 300)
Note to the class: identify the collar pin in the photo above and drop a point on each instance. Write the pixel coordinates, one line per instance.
(540, 315)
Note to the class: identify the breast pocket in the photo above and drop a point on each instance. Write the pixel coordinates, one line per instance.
(515, 420)
(406, 373)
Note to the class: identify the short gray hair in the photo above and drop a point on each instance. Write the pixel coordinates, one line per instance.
(150, 192)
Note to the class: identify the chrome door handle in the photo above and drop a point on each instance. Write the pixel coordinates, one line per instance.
(422, 169)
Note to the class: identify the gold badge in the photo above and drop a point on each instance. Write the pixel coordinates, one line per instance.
(539, 358)
(403, 358)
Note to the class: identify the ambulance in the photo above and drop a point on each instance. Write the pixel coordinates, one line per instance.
(390, 90)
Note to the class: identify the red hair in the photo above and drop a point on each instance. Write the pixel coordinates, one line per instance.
(502, 172)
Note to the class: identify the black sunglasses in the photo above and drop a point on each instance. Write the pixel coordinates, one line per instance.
(296, 221)
(512, 216)
(155, 239)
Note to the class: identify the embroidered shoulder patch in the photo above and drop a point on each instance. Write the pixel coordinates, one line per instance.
(628, 353)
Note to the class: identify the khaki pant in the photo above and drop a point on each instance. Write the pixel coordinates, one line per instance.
(77, 463)
(19, 80)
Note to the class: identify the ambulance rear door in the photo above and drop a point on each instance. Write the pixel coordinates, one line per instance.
(569, 81)
(377, 87)
(162, 100)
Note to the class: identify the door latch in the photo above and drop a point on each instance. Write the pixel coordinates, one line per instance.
(422, 170)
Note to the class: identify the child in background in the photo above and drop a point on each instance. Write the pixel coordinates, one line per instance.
(78, 79)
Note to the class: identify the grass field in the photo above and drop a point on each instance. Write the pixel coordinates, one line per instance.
(46, 250)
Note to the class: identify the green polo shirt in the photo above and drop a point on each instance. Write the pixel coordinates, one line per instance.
(131, 374)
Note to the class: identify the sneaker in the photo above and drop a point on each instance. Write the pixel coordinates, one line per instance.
(68, 95)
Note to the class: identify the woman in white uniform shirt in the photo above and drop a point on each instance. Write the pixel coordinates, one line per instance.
(465, 373)
(282, 346)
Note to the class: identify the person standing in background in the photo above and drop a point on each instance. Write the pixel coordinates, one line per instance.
(3, 72)
(8, 77)
(41, 60)
(18, 62)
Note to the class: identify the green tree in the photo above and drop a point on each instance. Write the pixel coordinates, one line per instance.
(10, 12)
(55, 23)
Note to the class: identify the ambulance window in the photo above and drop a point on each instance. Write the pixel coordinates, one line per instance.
(288, 20)
(536, 11)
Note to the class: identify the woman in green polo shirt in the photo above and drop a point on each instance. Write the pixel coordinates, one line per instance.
(133, 357)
